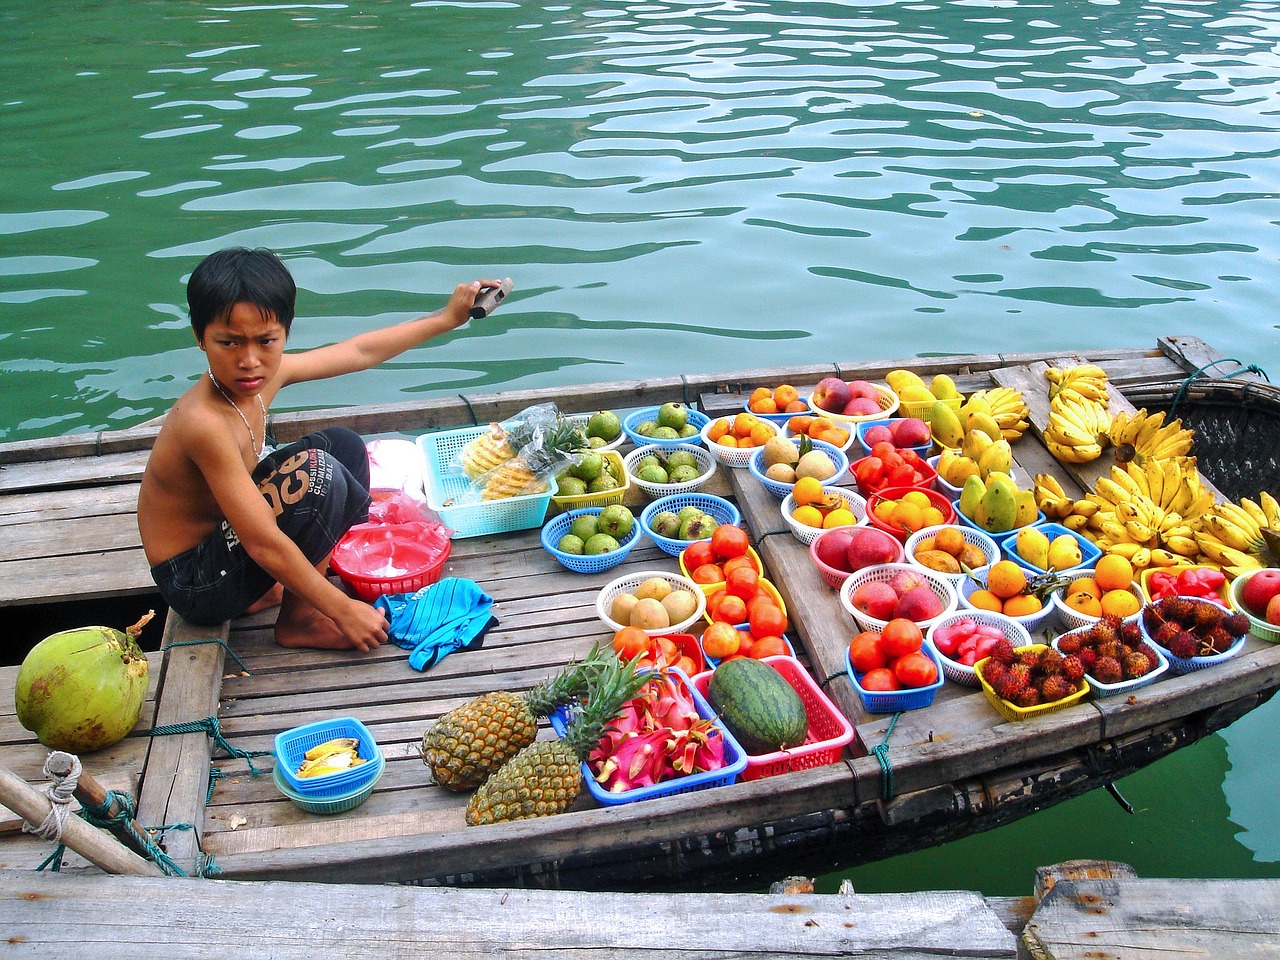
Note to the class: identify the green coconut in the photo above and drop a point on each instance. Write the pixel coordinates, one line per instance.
(82, 690)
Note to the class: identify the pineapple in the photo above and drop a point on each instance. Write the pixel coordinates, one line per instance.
(545, 777)
(489, 450)
(471, 741)
(541, 451)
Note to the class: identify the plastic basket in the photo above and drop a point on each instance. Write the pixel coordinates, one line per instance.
(977, 538)
(924, 408)
(292, 745)
(696, 418)
(713, 663)
(718, 507)
(629, 583)
(1257, 626)
(1032, 621)
(829, 732)
(896, 493)
(888, 401)
(1101, 689)
(735, 758)
(1014, 713)
(780, 418)
(1072, 618)
(733, 456)
(708, 587)
(414, 563)
(706, 462)
(1089, 551)
(339, 803)
(1181, 665)
(885, 572)
(450, 493)
(927, 478)
(959, 672)
(711, 589)
(891, 701)
(860, 436)
(836, 577)
(805, 534)
(779, 489)
(581, 419)
(605, 497)
(557, 527)
(1224, 591)
(999, 536)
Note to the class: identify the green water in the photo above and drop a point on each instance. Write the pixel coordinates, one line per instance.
(675, 187)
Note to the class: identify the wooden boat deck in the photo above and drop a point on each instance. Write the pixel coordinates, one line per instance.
(956, 766)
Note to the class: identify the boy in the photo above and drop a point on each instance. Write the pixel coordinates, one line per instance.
(221, 525)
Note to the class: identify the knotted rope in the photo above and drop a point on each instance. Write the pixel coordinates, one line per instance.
(881, 753)
(59, 790)
(1182, 390)
(211, 727)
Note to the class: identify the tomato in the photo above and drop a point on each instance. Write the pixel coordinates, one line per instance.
(728, 540)
(899, 637)
(901, 476)
(770, 646)
(884, 450)
(743, 583)
(698, 553)
(746, 560)
(915, 670)
(631, 642)
(730, 609)
(767, 620)
(881, 679)
(868, 471)
(864, 652)
(746, 644)
(707, 573)
(687, 666)
(720, 640)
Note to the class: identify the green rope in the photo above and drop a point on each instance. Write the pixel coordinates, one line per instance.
(121, 822)
(881, 753)
(222, 643)
(1251, 368)
(210, 726)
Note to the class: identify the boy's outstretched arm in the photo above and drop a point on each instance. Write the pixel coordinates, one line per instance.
(369, 349)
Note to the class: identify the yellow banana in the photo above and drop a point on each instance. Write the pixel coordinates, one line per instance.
(1254, 510)
(1115, 532)
(1270, 509)
(1050, 483)
(1069, 453)
(1161, 557)
(1084, 508)
(1124, 548)
(1138, 532)
(337, 745)
(1075, 522)
(1182, 546)
(1141, 558)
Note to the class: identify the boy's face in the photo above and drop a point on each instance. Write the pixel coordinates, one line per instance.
(244, 348)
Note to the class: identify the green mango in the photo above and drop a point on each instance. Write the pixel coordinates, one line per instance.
(946, 426)
(971, 495)
(997, 510)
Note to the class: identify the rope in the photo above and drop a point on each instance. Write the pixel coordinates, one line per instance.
(475, 421)
(222, 643)
(881, 753)
(210, 726)
(121, 822)
(1251, 368)
(59, 791)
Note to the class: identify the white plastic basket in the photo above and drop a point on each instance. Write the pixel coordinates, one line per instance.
(959, 672)
(632, 581)
(806, 534)
(885, 572)
(706, 463)
(990, 549)
(888, 406)
(1073, 619)
(736, 457)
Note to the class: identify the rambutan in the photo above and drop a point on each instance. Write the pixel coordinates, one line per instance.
(1218, 639)
(1135, 665)
(1088, 657)
(1130, 633)
(1184, 646)
(1003, 651)
(1107, 670)
(1207, 614)
(1107, 629)
(1180, 609)
(1110, 648)
(1165, 634)
(1050, 662)
(1237, 624)
(1056, 687)
(1072, 668)
(1147, 651)
(1027, 697)
(1022, 673)
(1006, 687)
(1069, 643)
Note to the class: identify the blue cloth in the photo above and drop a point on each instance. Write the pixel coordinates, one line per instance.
(440, 618)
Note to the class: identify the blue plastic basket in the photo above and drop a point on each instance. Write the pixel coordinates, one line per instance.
(292, 745)
(1101, 689)
(696, 419)
(450, 493)
(861, 433)
(339, 803)
(582, 563)
(1089, 552)
(891, 701)
(780, 490)
(779, 420)
(718, 507)
(1002, 535)
(712, 663)
(735, 758)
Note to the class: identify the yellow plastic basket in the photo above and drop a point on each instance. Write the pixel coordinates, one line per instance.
(604, 498)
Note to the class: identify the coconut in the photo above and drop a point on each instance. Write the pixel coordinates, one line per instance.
(82, 690)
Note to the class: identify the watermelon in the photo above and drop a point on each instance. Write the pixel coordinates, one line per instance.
(759, 707)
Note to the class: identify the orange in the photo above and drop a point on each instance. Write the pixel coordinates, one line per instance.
(630, 642)
(743, 423)
(718, 429)
(767, 405)
(1086, 585)
(1005, 579)
(785, 394)
(1022, 605)
(1113, 572)
(933, 517)
(986, 600)
(760, 393)
(800, 423)
(807, 490)
(1120, 603)
(761, 433)
(907, 515)
(1085, 603)
(809, 516)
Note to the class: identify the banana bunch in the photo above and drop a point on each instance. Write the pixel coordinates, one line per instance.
(330, 757)
(1150, 513)
(1140, 436)
(1236, 536)
(1059, 506)
(1078, 429)
(1005, 406)
(484, 453)
(1087, 381)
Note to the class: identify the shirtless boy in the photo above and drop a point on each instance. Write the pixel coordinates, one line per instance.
(221, 525)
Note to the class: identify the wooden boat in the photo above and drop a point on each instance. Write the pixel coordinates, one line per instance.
(953, 768)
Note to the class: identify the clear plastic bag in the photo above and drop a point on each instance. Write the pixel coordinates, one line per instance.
(519, 456)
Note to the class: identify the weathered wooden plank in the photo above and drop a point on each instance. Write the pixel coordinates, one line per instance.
(68, 538)
(270, 920)
(1145, 919)
(20, 508)
(74, 472)
(85, 576)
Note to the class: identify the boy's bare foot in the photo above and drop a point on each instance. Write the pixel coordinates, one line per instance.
(309, 628)
(268, 600)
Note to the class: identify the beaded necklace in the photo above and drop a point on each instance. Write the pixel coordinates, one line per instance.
(258, 450)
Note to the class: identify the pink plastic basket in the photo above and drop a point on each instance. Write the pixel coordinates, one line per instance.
(829, 732)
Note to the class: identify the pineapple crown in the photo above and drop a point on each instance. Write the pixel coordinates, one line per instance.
(571, 683)
(614, 684)
(545, 444)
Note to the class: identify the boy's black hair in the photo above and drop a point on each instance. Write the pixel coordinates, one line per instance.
(240, 275)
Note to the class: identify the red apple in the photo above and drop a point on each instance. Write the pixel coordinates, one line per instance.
(832, 548)
(918, 603)
(876, 599)
(868, 546)
(1273, 610)
(864, 388)
(1259, 589)
(831, 394)
(860, 407)
(877, 433)
(910, 432)
(905, 580)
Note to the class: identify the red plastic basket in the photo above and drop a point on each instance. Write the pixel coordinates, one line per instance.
(829, 732)
(896, 493)
(366, 555)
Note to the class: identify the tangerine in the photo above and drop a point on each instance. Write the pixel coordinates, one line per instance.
(807, 490)
(840, 517)
(1006, 579)
(809, 516)
(718, 429)
(784, 395)
(986, 600)
(631, 642)
(1022, 605)
(1113, 572)
(1084, 585)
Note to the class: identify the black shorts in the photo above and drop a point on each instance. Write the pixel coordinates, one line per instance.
(318, 488)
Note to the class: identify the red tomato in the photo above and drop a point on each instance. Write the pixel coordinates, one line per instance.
(743, 582)
(884, 450)
(899, 637)
(766, 620)
(864, 652)
(868, 471)
(728, 540)
(698, 553)
(746, 560)
(915, 670)
(769, 647)
(720, 640)
(730, 609)
(707, 573)
(881, 679)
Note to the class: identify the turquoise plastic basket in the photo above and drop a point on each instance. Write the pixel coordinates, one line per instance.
(1089, 552)
(339, 803)
(292, 745)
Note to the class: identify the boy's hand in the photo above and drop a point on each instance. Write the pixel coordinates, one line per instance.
(365, 626)
(458, 310)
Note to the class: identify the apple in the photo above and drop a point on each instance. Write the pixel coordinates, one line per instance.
(918, 603)
(860, 407)
(1273, 610)
(905, 580)
(911, 432)
(864, 388)
(876, 599)
(1259, 589)
(868, 546)
(831, 394)
(832, 548)
(877, 433)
